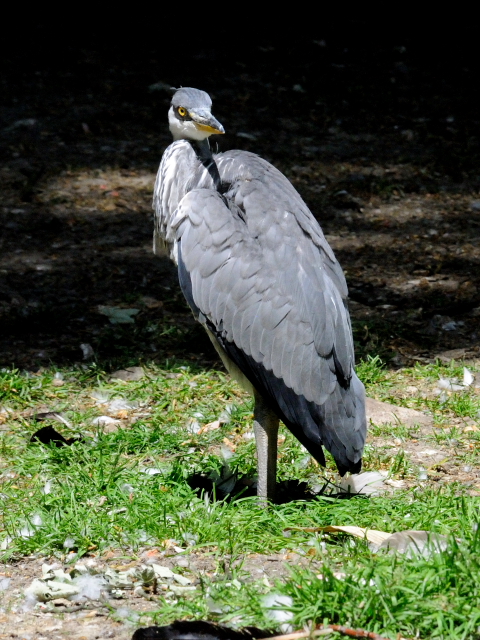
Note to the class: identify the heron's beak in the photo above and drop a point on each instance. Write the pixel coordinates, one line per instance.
(204, 121)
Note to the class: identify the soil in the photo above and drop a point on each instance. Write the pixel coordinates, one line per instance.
(380, 139)
(94, 620)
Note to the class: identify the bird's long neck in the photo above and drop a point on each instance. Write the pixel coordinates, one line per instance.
(204, 154)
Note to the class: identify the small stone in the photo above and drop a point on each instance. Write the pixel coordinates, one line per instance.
(451, 354)
(131, 374)
(182, 562)
(384, 413)
(411, 389)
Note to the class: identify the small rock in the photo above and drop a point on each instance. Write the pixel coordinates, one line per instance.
(385, 413)
(182, 562)
(4, 584)
(131, 374)
(152, 303)
(451, 354)
(414, 543)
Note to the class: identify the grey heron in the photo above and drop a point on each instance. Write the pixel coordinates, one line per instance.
(259, 275)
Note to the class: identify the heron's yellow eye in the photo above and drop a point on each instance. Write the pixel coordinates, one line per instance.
(182, 112)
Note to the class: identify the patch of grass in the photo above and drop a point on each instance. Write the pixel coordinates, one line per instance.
(427, 598)
(128, 489)
(424, 597)
(371, 371)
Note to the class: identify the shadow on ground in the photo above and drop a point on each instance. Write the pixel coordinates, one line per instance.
(380, 139)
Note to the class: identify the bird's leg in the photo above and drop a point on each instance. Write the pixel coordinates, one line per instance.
(265, 426)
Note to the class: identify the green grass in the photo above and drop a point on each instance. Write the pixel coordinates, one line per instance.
(96, 495)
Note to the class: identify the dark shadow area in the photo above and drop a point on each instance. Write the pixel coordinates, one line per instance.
(378, 130)
(285, 491)
(199, 630)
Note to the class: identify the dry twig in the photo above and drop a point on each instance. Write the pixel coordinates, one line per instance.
(325, 629)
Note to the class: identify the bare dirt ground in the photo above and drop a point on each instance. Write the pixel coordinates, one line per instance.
(381, 142)
(59, 619)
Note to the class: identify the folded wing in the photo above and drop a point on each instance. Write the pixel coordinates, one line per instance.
(274, 298)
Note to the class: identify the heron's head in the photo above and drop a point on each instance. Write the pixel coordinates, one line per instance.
(190, 115)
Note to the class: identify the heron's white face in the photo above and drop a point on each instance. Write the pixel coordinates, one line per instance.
(199, 126)
(185, 129)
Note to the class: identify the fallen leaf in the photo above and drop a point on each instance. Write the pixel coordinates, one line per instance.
(118, 315)
(372, 535)
(229, 444)
(210, 426)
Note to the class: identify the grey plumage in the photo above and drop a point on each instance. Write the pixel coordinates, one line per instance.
(258, 272)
